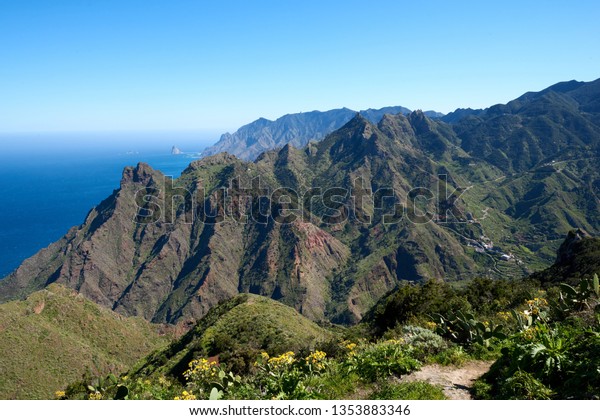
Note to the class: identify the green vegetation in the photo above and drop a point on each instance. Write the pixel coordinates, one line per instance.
(251, 347)
(545, 342)
(555, 353)
(543, 338)
(367, 369)
(408, 391)
(237, 331)
(439, 301)
(56, 336)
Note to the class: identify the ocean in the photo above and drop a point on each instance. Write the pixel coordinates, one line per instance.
(48, 183)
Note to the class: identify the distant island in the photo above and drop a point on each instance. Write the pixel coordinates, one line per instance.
(175, 151)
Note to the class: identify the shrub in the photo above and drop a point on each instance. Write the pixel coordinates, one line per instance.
(464, 328)
(543, 362)
(412, 301)
(382, 360)
(523, 385)
(286, 376)
(425, 343)
(455, 355)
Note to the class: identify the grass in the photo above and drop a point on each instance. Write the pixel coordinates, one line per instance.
(417, 390)
(56, 336)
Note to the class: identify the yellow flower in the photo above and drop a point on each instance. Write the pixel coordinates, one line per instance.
(59, 394)
(316, 358)
(530, 333)
(185, 396)
(351, 346)
(200, 368)
(282, 360)
(95, 396)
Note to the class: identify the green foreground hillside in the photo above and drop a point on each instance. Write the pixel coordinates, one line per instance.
(56, 336)
(237, 331)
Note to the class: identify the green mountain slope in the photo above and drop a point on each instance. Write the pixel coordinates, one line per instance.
(236, 331)
(56, 336)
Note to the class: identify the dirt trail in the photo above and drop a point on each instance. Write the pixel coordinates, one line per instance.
(455, 381)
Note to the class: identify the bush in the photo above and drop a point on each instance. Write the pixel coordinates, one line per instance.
(464, 328)
(411, 301)
(382, 360)
(542, 363)
(524, 386)
(455, 356)
(425, 343)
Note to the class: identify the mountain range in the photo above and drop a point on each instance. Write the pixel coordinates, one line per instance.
(297, 130)
(330, 228)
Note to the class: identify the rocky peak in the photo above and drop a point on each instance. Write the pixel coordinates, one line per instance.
(141, 174)
(397, 126)
(419, 121)
(359, 125)
(567, 249)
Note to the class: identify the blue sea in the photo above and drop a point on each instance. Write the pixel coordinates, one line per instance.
(48, 183)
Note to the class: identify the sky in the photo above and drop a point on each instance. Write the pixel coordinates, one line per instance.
(212, 66)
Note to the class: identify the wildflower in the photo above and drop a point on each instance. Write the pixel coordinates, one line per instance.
(530, 333)
(351, 346)
(282, 360)
(200, 368)
(95, 396)
(59, 395)
(185, 396)
(315, 359)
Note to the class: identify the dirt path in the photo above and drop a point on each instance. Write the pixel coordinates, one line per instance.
(455, 381)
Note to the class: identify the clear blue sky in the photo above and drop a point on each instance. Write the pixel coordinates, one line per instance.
(78, 65)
